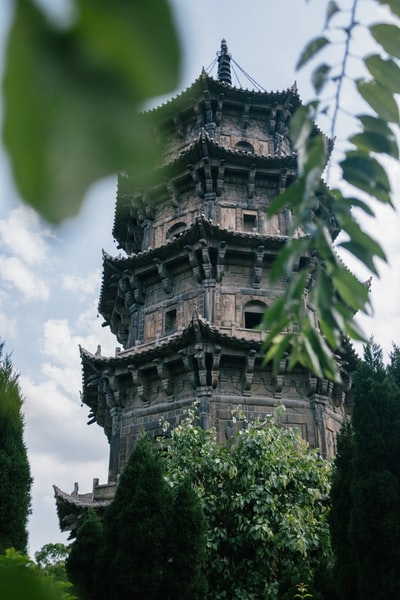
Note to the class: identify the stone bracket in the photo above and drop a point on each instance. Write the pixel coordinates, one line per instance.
(216, 359)
(279, 378)
(219, 111)
(188, 366)
(205, 258)
(194, 263)
(164, 275)
(172, 195)
(245, 116)
(164, 374)
(142, 386)
(198, 186)
(220, 177)
(252, 181)
(249, 371)
(258, 265)
(221, 261)
(200, 358)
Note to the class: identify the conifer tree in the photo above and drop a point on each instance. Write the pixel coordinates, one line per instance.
(187, 546)
(15, 478)
(83, 559)
(154, 536)
(371, 518)
(340, 512)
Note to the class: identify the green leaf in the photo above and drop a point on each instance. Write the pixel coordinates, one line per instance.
(302, 124)
(386, 72)
(361, 244)
(388, 36)
(331, 10)
(380, 99)
(371, 141)
(290, 197)
(352, 291)
(320, 76)
(287, 257)
(312, 48)
(85, 86)
(375, 125)
(342, 205)
(393, 5)
(365, 173)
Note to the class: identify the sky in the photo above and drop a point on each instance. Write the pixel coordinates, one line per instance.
(50, 277)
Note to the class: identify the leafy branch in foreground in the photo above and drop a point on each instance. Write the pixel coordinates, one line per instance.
(321, 284)
(85, 82)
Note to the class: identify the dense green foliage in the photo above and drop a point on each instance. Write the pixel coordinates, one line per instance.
(15, 479)
(365, 515)
(263, 497)
(153, 545)
(335, 293)
(51, 560)
(83, 558)
(22, 579)
(85, 82)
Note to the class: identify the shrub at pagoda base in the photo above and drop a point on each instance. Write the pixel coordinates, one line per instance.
(262, 495)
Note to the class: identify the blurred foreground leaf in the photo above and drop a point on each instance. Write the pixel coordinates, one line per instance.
(71, 96)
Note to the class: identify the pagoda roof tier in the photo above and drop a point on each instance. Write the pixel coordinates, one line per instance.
(201, 228)
(288, 98)
(131, 195)
(71, 508)
(172, 349)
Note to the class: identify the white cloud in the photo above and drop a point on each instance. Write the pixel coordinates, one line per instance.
(23, 235)
(83, 286)
(14, 272)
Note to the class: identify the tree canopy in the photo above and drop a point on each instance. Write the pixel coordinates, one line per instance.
(263, 495)
(153, 541)
(15, 479)
(365, 515)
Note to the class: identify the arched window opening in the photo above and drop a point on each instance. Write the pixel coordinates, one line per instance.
(253, 313)
(176, 231)
(244, 147)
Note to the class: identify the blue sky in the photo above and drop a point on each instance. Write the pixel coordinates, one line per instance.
(50, 277)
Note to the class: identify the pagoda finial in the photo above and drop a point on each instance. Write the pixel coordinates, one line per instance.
(224, 64)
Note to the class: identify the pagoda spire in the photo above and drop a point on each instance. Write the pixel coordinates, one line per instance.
(224, 64)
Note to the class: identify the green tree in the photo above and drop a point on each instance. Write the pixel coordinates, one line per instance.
(186, 546)
(153, 535)
(15, 479)
(263, 497)
(339, 515)
(83, 560)
(368, 469)
(51, 560)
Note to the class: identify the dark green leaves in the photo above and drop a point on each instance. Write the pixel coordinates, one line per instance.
(312, 48)
(320, 77)
(380, 100)
(365, 173)
(331, 10)
(385, 72)
(387, 35)
(393, 5)
(329, 288)
(71, 96)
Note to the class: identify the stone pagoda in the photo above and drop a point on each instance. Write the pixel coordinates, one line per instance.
(185, 298)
